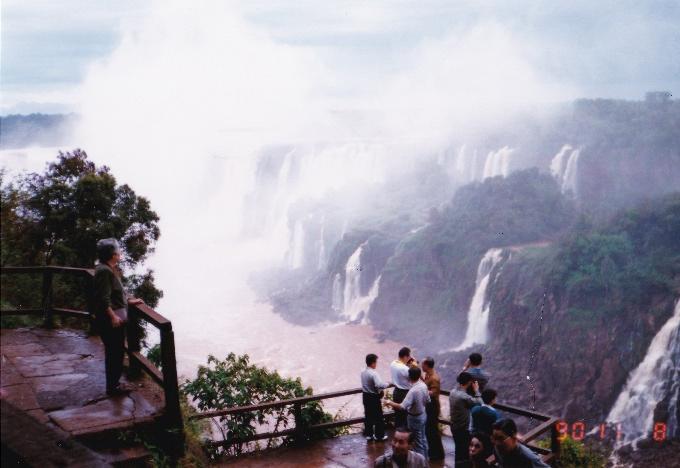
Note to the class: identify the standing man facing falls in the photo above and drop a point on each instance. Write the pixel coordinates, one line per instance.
(372, 389)
(399, 373)
(110, 310)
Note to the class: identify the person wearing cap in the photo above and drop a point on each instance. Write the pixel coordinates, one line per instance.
(110, 310)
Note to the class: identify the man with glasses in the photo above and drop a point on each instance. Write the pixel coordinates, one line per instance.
(509, 452)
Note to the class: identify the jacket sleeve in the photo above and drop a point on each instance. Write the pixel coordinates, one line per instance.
(473, 401)
(102, 290)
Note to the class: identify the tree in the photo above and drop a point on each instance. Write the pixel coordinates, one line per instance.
(56, 218)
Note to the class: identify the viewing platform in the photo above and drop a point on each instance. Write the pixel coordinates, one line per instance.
(55, 411)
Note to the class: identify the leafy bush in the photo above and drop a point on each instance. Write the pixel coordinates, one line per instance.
(235, 382)
(576, 454)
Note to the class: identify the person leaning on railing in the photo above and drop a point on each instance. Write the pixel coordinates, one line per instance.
(510, 452)
(110, 310)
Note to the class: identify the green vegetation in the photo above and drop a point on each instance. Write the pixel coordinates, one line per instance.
(56, 218)
(236, 382)
(629, 260)
(576, 454)
(432, 273)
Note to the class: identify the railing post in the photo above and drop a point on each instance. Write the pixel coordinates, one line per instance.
(47, 298)
(134, 342)
(299, 426)
(555, 440)
(173, 412)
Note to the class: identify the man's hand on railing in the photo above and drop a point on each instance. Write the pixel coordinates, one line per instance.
(135, 301)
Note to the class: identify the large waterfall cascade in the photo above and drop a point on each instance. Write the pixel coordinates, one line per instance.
(356, 306)
(478, 314)
(309, 173)
(655, 378)
(564, 167)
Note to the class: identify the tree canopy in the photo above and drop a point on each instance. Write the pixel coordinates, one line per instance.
(56, 218)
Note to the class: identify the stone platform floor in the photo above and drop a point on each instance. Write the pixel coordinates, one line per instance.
(341, 452)
(57, 377)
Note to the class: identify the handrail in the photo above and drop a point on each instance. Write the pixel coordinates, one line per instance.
(548, 424)
(167, 378)
(275, 404)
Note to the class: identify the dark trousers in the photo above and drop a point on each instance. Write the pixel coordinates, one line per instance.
(434, 438)
(374, 424)
(114, 351)
(461, 437)
(399, 415)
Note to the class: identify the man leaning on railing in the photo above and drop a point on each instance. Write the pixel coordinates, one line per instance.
(110, 309)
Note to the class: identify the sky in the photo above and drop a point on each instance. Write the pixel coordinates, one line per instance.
(581, 48)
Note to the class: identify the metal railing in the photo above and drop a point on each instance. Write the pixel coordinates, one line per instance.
(167, 378)
(548, 423)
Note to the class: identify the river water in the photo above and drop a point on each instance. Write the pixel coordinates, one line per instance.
(203, 273)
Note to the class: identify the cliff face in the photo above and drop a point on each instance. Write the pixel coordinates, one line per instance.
(585, 268)
(432, 274)
(578, 316)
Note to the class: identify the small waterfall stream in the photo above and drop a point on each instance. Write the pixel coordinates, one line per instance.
(478, 314)
(355, 306)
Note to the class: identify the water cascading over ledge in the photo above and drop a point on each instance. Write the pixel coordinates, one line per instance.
(564, 167)
(656, 378)
(478, 314)
(355, 305)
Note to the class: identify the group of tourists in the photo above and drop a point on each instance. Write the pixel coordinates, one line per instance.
(477, 428)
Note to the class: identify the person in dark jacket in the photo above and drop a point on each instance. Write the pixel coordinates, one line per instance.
(510, 452)
(110, 310)
(484, 416)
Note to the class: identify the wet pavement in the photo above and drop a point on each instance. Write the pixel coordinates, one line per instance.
(57, 378)
(345, 451)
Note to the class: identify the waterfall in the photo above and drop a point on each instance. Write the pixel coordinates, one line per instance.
(557, 165)
(656, 377)
(322, 246)
(478, 314)
(497, 163)
(564, 167)
(297, 246)
(336, 303)
(571, 173)
(355, 306)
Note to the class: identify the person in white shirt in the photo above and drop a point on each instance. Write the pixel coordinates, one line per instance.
(372, 388)
(414, 404)
(399, 372)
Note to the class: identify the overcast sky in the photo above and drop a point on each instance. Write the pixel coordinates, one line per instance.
(602, 48)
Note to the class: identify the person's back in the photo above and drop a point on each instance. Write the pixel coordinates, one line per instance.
(479, 375)
(473, 367)
(521, 457)
(460, 403)
(483, 418)
(413, 460)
